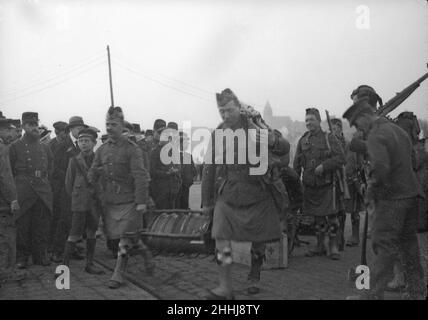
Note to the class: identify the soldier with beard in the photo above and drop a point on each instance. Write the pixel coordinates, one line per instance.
(31, 163)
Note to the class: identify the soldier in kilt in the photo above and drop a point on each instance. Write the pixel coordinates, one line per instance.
(244, 207)
(318, 155)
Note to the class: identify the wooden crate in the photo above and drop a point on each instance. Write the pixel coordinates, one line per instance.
(276, 253)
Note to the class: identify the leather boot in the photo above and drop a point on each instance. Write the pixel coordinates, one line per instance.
(117, 278)
(254, 275)
(90, 251)
(334, 250)
(320, 249)
(355, 237)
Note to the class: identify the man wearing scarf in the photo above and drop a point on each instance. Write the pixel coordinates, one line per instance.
(318, 155)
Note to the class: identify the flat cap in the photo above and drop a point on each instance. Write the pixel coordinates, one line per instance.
(60, 125)
(88, 132)
(360, 107)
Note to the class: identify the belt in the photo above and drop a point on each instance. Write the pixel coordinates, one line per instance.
(37, 173)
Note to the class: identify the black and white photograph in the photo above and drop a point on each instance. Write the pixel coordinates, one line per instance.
(190, 151)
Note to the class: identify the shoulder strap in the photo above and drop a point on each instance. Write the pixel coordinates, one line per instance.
(79, 167)
(327, 141)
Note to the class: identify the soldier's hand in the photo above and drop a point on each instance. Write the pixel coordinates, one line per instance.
(14, 206)
(319, 170)
(141, 207)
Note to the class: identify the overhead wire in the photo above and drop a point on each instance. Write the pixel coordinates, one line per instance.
(173, 79)
(138, 73)
(53, 76)
(35, 91)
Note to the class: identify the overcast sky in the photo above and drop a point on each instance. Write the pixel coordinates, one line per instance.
(170, 57)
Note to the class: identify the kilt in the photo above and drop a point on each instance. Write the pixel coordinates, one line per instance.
(258, 222)
(318, 201)
(120, 219)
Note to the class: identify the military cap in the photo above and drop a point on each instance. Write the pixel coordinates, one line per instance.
(16, 123)
(367, 91)
(159, 124)
(30, 117)
(360, 107)
(315, 112)
(60, 125)
(88, 132)
(76, 121)
(5, 123)
(115, 113)
(2, 116)
(225, 97)
(149, 132)
(136, 128)
(336, 121)
(172, 125)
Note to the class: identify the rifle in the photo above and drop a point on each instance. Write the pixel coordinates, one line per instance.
(400, 97)
(339, 173)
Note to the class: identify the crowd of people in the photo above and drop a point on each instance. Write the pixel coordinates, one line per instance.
(60, 191)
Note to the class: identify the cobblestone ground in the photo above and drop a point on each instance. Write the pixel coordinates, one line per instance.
(305, 278)
(39, 284)
(186, 277)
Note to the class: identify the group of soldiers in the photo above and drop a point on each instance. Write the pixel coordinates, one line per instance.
(56, 191)
(59, 191)
(383, 168)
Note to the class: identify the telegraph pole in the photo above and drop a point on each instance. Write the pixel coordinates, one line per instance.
(110, 77)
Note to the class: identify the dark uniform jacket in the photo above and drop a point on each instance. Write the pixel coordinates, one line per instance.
(188, 171)
(391, 175)
(64, 151)
(145, 149)
(159, 173)
(313, 150)
(7, 184)
(76, 183)
(118, 166)
(235, 184)
(31, 163)
(53, 145)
